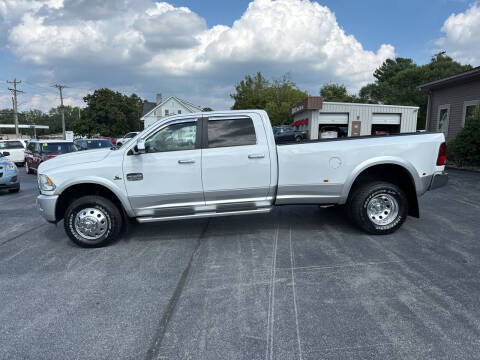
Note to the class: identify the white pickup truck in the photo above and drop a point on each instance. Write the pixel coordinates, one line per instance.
(227, 163)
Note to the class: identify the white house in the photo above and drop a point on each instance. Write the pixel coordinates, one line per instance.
(171, 106)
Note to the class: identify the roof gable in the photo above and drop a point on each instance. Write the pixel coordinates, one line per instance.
(192, 108)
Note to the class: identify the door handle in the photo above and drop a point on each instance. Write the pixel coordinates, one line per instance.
(256, 156)
(186, 161)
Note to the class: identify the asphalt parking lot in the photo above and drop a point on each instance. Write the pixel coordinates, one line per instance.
(298, 283)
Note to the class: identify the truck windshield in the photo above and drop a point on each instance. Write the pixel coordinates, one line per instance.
(57, 147)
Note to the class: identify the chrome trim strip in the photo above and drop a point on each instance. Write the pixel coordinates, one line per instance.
(202, 215)
(235, 201)
(298, 196)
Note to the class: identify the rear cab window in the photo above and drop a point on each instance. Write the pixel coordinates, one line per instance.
(231, 132)
(11, 145)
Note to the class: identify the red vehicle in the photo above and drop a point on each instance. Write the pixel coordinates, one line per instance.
(39, 151)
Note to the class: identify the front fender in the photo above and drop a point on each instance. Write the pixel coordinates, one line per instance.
(115, 186)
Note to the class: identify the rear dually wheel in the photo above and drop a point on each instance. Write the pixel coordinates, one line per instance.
(378, 207)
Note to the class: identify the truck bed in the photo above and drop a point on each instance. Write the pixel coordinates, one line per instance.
(322, 171)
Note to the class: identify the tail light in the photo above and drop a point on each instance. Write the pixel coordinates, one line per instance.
(442, 155)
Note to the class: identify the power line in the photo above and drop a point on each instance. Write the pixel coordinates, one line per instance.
(60, 88)
(14, 102)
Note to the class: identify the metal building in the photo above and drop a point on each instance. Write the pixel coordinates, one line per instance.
(351, 119)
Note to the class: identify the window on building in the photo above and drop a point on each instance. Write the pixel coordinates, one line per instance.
(175, 137)
(166, 112)
(231, 132)
(471, 110)
(443, 118)
(179, 112)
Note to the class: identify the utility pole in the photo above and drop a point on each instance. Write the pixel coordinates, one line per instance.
(15, 103)
(60, 88)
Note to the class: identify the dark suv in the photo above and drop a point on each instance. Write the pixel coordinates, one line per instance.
(39, 151)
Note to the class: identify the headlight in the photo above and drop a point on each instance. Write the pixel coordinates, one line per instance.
(45, 184)
(11, 166)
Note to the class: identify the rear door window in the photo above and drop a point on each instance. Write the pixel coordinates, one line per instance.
(231, 132)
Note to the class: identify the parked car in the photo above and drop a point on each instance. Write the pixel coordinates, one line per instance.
(333, 132)
(9, 179)
(39, 151)
(126, 138)
(191, 166)
(16, 149)
(288, 133)
(89, 144)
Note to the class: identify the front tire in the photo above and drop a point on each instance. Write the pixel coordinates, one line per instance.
(16, 190)
(378, 208)
(93, 221)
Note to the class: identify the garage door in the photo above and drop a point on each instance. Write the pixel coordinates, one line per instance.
(390, 119)
(333, 118)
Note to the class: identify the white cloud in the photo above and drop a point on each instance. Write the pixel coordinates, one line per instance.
(158, 47)
(462, 35)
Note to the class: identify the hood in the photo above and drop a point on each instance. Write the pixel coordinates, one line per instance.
(74, 158)
(4, 161)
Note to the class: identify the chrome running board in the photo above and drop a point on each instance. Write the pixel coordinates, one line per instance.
(202, 215)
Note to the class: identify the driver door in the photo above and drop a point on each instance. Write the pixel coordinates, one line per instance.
(167, 179)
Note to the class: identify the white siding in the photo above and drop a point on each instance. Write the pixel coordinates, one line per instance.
(363, 113)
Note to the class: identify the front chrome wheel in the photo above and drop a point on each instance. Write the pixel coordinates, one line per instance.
(382, 209)
(91, 223)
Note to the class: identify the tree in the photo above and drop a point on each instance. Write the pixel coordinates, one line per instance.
(465, 148)
(109, 113)
(336, 92)
(397, 82)
(207, 109)
(275, 97)
(391, 67)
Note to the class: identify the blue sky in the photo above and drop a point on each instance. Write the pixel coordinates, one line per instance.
(154, 58)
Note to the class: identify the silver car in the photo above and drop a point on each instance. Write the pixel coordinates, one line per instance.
(9, 179)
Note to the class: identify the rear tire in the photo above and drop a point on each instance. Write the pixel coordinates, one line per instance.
(298, 139)
(378, 208)
(93, 221)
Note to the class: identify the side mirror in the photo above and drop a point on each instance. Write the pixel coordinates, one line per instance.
(6, 153)
(140, 147)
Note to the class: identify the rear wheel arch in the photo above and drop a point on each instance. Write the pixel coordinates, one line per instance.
(395, 174)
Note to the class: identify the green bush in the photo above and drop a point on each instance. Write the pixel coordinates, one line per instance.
(465, 148)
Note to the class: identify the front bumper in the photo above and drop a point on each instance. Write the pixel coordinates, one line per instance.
(46, 206)
(9, 180)
(439, 180)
